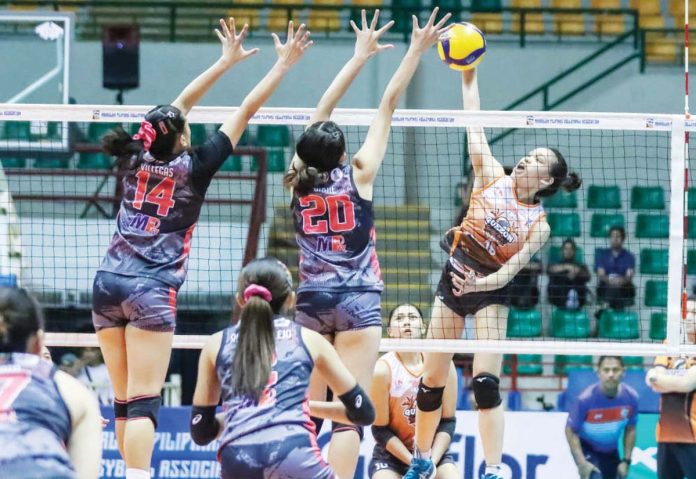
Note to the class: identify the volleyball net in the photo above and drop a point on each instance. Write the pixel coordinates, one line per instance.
(60, 200)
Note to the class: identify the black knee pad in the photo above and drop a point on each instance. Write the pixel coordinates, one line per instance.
(145, 406)
(487, 391)
(120, 410)
(429, 399)
(339, 427)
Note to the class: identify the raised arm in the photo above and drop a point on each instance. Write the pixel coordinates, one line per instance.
(366, 46)
(469, 282)
(232, 52)
(288, 54)
(369, 158)
(486, 168)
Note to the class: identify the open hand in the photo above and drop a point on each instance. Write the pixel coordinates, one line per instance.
(295, 44)
(367, 38)
(463, 282)
(232, 49)
(426, 37)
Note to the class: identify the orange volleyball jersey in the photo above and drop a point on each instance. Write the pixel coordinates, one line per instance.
(402, 399)
(497, 224)
(677, 410)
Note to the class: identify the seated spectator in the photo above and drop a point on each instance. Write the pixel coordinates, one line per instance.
(524, 288)
(568, 279)
(615, 267)
(601, 415)
(93, 373)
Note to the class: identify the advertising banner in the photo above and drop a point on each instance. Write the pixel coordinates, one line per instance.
(535, 448)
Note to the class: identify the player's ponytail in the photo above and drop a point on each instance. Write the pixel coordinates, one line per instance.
(120, 144)
(20, 318)
(255, 347)
(321, 148)
(562, 178)
(264, 286)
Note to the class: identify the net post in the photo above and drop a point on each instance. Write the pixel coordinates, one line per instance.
(676, 235)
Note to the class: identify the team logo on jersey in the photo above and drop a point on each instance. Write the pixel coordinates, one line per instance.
(499, 227)
(335, 244)
(336, 174)
(145, 223)
(409, 408)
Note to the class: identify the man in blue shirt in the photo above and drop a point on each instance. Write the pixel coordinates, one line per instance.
(615, 267)
(597, 419)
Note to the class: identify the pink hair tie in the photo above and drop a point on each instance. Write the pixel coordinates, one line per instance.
(147, 134)
(257, 290)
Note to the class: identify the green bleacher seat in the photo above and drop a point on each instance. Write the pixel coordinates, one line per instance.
(633, 362)
(555, 254)
(51, 163)
(601, 224)
(658, 326)
(233, 163)
(94, 161)
(524, 323)
(198, 133)
(653, 261)
(619, 325)
(273, 135)
(245, 139)
(656, 293)
(402, 16)
(562, 363)
(652, 226)
(486, 5)
(605, 197)
(16, 162)
(570, 324)
(275, 160)
(17, 130)
(691, 261)
(647, 198)
(564, 225)
(562, 199)
(527, 364)
(96, 130)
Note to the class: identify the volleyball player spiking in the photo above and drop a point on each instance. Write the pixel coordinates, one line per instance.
(504, 227)
(135, 289)
(49, 421)
(340, 279)
(261, 368)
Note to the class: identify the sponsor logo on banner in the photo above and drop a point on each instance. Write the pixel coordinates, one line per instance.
(535, 448)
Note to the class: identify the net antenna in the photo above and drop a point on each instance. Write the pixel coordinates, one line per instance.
(48, 30)
(687, 116)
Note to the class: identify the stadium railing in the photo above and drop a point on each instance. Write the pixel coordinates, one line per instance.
(192, 21)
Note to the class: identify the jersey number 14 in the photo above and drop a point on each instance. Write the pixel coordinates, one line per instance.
(160, 195)
(317, 206)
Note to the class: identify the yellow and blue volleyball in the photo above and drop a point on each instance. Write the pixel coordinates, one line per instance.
(462, 46)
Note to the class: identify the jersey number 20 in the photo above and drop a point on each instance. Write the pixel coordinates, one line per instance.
(316, 208)
(160, 195)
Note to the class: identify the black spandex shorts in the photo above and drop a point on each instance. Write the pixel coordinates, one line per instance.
(469, 303)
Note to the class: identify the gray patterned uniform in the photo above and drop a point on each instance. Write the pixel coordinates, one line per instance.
(274, 437)
(35, 423)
